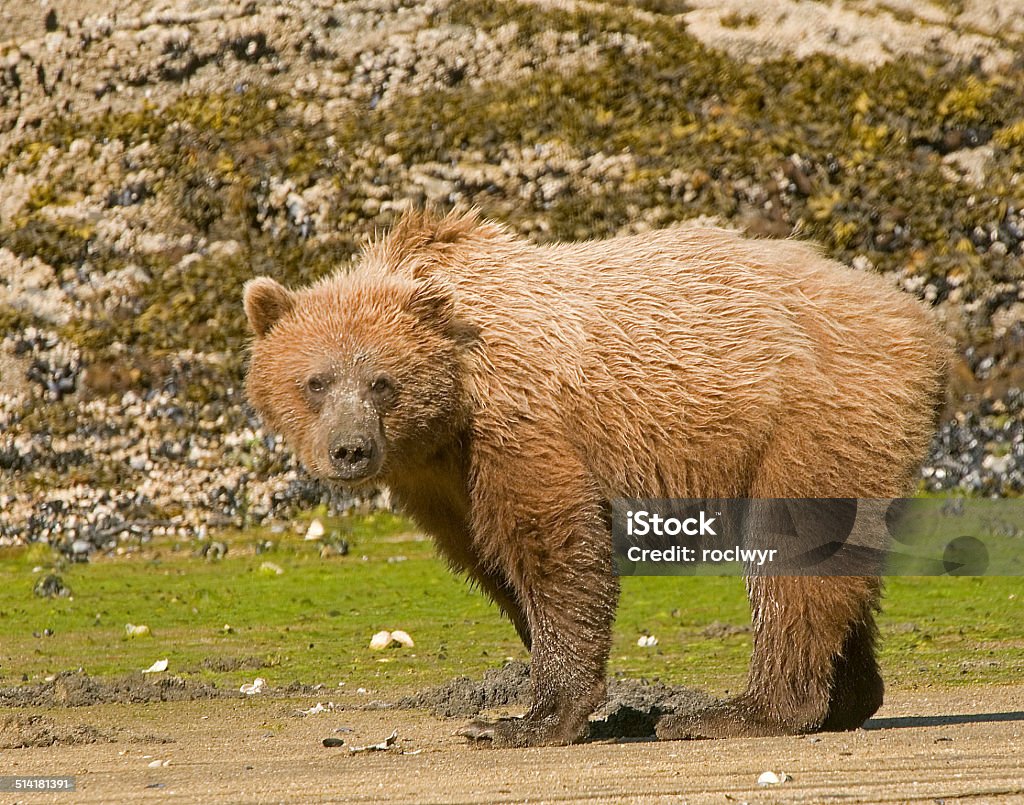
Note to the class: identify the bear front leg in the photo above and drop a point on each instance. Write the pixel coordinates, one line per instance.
(544, 529)
(568, 685)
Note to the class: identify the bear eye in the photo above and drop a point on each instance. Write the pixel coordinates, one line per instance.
(382, 384)
(317, 384)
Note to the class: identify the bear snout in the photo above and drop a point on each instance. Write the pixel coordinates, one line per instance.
(354, 458)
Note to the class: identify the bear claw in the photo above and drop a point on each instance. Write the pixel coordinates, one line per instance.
(478, 730)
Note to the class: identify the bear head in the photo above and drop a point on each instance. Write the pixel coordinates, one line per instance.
(360, 373)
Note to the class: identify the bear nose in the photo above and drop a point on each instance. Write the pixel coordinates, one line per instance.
(352, 457)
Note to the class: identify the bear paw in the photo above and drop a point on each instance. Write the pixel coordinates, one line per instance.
(723, 720)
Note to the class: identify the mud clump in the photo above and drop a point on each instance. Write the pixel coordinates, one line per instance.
(507, 686)
(52, 586)
(631, 711)
(74, 689)
(635, 705)
(29, 731)
(22, 732)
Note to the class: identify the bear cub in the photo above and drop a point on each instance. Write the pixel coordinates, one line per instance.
(506, 392)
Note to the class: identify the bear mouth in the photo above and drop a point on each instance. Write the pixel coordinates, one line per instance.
(354, 480)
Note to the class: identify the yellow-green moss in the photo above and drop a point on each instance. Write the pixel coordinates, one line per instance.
(967, 100)
(1011, 135)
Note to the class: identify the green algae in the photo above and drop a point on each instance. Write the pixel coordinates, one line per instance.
(14, 320)
(60, 244)
(667, 7)
(873, 139)
(847, 155)
(1010, 135)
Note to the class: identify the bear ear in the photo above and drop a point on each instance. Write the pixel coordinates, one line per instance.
(266, 301)
(432, 303)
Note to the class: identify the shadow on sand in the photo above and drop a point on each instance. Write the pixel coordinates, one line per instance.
(941, 721)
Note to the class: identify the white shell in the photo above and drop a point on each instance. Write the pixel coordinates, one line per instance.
(771, 778)
(256, 686)
(380, 640)
(387, 743)
(402, 637)
(315, 530)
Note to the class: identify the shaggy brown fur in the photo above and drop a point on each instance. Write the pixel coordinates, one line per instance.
(507, 392)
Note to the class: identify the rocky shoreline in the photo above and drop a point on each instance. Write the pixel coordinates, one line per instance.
(152, 160)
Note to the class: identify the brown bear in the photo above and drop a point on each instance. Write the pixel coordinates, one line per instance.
(506, 392)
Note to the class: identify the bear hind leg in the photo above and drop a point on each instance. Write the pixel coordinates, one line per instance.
(813, 666)
(857, 688)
